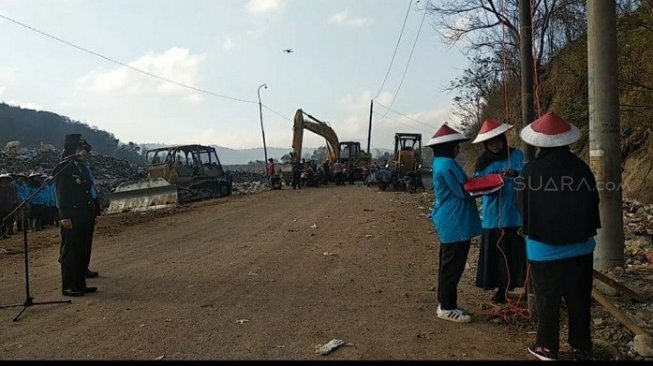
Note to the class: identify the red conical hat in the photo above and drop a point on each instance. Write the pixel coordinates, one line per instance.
(550, 130)
(445, 134)
(490, 129)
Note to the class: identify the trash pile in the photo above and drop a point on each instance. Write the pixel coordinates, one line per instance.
(108, 171)
(638, 233)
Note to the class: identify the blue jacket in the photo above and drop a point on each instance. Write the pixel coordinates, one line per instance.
(503, 201)
(454, 216)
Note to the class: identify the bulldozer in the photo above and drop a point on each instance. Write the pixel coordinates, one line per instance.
(407, 161)
(336, 150)
(175, 175)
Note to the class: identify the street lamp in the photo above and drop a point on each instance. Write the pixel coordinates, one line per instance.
(260, 110)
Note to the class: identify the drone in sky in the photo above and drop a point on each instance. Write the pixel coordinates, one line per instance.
(288, 50)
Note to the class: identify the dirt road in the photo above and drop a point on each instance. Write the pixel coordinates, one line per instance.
(297, 268)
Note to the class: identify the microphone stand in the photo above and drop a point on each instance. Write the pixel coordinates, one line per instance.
(29, 301)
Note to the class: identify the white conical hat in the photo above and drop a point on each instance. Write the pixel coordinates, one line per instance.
(490, 129)
(445, 134)
(550, 130)
(5, 176)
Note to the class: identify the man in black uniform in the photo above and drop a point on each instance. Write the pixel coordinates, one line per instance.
(77, 211)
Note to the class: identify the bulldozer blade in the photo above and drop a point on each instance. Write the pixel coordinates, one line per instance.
(143, 196)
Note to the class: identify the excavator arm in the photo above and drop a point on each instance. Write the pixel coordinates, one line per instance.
(318, 127)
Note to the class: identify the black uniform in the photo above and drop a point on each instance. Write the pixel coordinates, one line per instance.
(73, 187)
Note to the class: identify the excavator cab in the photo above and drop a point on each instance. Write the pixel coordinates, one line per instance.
(350, 150)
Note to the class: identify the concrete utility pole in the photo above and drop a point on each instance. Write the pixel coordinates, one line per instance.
(260, 111)
(526, 63)
(369, 129)
(605, 132)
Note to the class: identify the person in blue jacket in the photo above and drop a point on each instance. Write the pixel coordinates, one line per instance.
(502, 255)
(559, 201)
(455, 218)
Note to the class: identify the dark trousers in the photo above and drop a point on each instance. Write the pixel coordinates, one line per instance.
(5, 224)
(453, 257)
(74, 254)
(295, 181)
(571, 280)
(90, 246)
(340, 181)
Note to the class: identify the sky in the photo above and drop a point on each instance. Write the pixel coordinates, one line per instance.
(342, 50)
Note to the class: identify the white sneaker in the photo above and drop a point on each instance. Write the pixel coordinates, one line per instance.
(454, 315)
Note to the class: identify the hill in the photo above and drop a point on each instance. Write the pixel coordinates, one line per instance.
(34, 128)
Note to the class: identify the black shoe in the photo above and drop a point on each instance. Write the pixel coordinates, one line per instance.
(90, 274)
(89, 289)
(499, 297)
(581, 355)
(73, 293)
(542, 354)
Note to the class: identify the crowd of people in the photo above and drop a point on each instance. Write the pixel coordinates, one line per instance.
(14, 190)
(543, 215)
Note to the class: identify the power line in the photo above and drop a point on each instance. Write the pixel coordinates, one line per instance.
(401, 114)
(394, 98)
(405, 124)
(126, 65)
(395, 52)
(277, 113)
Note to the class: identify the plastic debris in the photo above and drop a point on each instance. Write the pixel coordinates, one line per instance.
(329, 347)
(242, 321)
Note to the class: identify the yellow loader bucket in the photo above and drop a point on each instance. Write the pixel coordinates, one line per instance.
(152, 194)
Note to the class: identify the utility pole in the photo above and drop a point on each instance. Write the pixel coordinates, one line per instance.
(527, 108)
(265, 149)
(369, 129)
(605, 132)
(526, 63)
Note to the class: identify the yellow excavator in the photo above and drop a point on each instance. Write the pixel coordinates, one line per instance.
(336, 150)
(175, 175)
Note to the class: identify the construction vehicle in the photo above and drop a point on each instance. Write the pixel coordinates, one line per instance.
(176, 175)
(336, 150)
(407, 160)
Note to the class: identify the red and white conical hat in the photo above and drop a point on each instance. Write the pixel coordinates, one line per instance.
(490, 129)
(550, 130)
(445, 134)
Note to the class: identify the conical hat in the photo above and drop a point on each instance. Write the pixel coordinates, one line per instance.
(490, 129)
(5, 176)
(445, 134)
(550, 130)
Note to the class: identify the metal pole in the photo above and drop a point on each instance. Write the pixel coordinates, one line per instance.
(526, 63)
(260, 111)
(604, 133)
(369, 129)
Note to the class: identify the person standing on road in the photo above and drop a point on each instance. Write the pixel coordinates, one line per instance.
(77, 212)
(455, 218)
(296, 175)
(559, 202)
(8, 202)
(502, 256)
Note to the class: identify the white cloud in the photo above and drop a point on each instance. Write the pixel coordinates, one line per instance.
(344, 19)
(25, 105)
(7, 76)
(228, 44)
(176, 64)
(264, 6)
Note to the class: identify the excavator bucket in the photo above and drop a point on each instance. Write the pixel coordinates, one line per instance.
(143, 196)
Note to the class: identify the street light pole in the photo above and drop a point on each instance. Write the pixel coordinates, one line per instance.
(260, 110)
